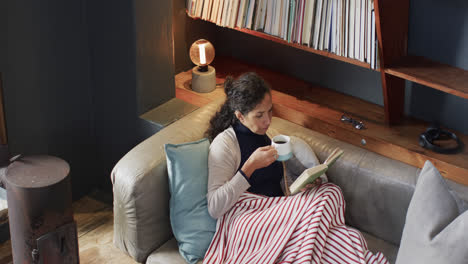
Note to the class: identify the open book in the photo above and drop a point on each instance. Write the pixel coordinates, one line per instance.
(311, 174)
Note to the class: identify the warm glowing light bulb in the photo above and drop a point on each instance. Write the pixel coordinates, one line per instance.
(202, 52)
(201, 47)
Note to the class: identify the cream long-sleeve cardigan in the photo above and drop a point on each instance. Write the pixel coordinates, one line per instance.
(226, 184)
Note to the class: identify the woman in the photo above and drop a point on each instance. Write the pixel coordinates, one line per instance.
(241, 156)
(261, 225)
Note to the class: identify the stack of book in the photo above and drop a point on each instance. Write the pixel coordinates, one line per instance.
(343, 27)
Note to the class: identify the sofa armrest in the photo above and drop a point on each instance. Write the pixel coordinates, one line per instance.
(141, 203)
(140, 185)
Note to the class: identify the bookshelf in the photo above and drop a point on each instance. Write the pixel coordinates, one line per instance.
(436, 75)
(389, 132)
(396, 66)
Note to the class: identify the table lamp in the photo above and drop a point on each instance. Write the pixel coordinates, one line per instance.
(203, 75)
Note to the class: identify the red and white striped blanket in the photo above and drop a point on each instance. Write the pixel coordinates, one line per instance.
(305, 228)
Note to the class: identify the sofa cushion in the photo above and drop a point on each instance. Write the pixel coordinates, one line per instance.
(436, 223)
(167, 253)
(377, 189)
(375, 244)
(192, 226)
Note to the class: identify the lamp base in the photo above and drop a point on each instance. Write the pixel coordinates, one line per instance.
(203, 82)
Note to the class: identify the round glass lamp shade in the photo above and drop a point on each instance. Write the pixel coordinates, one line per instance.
(202, 52)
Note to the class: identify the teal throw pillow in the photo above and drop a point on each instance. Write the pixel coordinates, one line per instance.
(193, 227)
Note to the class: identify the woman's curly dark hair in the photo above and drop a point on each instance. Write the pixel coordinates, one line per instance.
(242, 94)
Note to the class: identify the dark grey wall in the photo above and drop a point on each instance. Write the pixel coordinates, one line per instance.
(47, 92)
(113, 74)
(70, 84)
(154, 53)
(438, 30)
(181, 41)
(3, 34)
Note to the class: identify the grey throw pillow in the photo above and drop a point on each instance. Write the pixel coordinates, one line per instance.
(436, 228)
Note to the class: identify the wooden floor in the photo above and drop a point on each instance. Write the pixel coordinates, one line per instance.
(93, 214)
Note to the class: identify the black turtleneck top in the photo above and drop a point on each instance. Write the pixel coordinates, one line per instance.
(266, 180)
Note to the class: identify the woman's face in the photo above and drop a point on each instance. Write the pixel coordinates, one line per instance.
(258, 120)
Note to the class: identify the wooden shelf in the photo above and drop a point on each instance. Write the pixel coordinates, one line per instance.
(295, 45)
(436, 75)
(303, 47)
(320, 109)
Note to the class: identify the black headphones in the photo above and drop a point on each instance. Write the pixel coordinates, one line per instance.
(426, 140)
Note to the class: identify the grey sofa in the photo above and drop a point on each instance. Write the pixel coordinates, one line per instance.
(377, 189)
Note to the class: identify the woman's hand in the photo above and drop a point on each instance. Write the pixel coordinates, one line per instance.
(260, 158)
(317, 182)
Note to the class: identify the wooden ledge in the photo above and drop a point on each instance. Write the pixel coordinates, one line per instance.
(436, 75)
(168, 112)
(320, 109)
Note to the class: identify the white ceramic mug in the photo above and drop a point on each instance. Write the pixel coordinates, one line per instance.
(282, 144)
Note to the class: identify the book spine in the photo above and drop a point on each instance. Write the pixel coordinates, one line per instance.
(260, 15)
(292, 12)
(333, 27)
(306, 22)
(374, 41)
(322, 24)
(281, 18)
(285, 20)
(246, 13)
(279, 12)
(235, 11)
(214, 9)
(301, 21)
(218, 11)
(346, 28)
(239, 14)
(204, 9)
(369, 31)
(318, 19)
(210, 10)
(352, 11)
(276, 17)
(328, 22)
(245, 16)
(227, 18)
(362, 31)
(250, 14)
(296, 23)
(223, 13)
(287, 6)
(357, 28)
(341, 27)
(199, 8)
